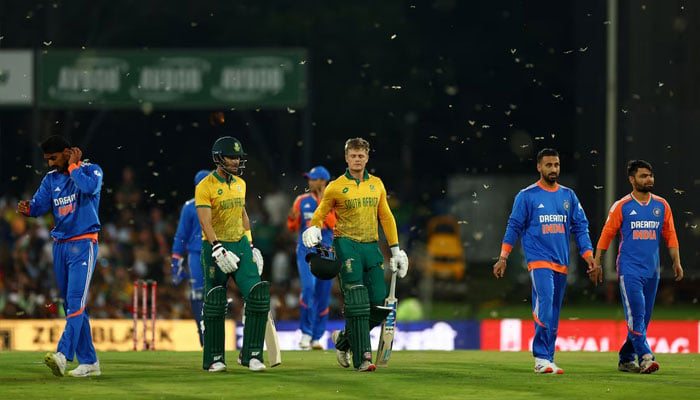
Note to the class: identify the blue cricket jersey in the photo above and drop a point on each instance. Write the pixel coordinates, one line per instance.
(305, 205)
(74, 198)
(544, 219)
(189, 232)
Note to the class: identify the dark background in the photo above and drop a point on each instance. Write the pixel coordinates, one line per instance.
(464, 88)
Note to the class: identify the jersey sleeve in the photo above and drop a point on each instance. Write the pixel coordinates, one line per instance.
(387, 219)
(579, 227)
(87, 177)
(201, 196)
(669, 230)
(293, 224)
(326, 205)
(41, 202)
(611, 227)
(516, 223)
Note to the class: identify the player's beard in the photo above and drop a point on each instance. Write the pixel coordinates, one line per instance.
(551, 178)
(643, 188)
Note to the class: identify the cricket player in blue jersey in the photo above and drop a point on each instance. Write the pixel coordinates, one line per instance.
(315, 292)
(71, 191)
(188, 237)
(544, 216)
(642, 219)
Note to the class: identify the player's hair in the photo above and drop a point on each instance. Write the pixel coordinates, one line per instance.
(54, 144)
(634, 165)
(547, 152)
(356, 143)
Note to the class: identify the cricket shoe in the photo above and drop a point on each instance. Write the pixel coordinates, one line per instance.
(648, 365)
(85, 370)
(316, 345)
(217, 367)
(628, 366)
(255, 365)
(543, 366)
(305, 342)
(366, 366)
(343, 357)
(57, 363)
(556, 369)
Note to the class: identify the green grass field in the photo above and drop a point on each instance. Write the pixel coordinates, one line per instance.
(315, 375)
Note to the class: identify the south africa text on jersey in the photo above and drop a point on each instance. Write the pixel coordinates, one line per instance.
(361, 202)
(231, 203)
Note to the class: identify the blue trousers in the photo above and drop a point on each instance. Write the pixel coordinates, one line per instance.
(548, 287)
(638, 297)
(314, 299)
(74, 264)
(194, 263)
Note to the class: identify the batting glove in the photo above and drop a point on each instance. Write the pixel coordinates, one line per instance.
(226, 260)
(311, 236)
(258, 258)
(398, 261)
(177, 270)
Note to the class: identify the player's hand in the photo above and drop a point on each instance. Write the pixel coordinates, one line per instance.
(75, 155)
(226, 260)
(177, 270)
(595, 274)
(258, 258)
(677, 271)
(398, 262)
(311, 236)
(23, 207)
(499, 268)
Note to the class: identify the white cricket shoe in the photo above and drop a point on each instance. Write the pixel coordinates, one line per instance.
(57, 363)
(543, 366)
(316, 345)
(343, 357)
(256, 365)
(648, 365)
(629, 366)
(366, 366)
(84, 370)
(556, 369)
(305, 342)
(217, 367)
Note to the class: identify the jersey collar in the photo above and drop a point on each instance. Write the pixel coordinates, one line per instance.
(364, 177)
(223, 180)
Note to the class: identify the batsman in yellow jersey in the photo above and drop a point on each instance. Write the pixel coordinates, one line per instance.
(227, 250)
(359, 201)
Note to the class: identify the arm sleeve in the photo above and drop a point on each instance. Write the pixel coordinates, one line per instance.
(183, 227)
(669, 229)
(516, 223)
(387, 219)
(611, 227)
(326, 205)
(293, 224)
(41, 201)
(579, 227)
(88, 178)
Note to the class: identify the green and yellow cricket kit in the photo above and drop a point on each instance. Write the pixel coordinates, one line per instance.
(227, 202)
(359, 205)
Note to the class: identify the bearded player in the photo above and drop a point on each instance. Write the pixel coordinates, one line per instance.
(188, 237)
(227, 251)
(359, 201)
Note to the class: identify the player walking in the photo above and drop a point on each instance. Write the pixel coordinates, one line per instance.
(72, 192)
(544, 214)
(188, 237)
(315, 293)
(642, 218)
(358, 199)
(227, 252)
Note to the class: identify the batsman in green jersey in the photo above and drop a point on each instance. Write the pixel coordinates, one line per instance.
(227, 250)
(359, 201)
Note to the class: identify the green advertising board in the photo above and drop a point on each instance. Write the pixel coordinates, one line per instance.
(172, 79)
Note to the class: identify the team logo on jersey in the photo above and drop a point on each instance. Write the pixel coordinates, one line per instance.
(371, 188)
(97, 173)
(239, 188)
(657, 212)
(220, 192)
(566, 205)
(345, 190)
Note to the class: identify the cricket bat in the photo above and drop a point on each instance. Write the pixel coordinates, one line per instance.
(386, 338)
(273, 343)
